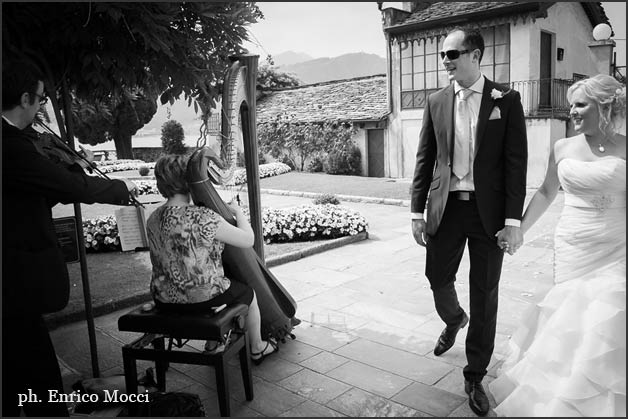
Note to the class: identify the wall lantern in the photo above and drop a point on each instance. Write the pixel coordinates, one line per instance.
(602, 32)
(560, 53)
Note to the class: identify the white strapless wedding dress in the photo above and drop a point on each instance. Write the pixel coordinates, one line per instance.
(569, 356)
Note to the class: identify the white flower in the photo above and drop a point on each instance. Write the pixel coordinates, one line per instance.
(497, 94)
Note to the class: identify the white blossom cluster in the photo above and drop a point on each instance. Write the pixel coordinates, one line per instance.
(311, 222)
(101, 163)
(265, 170)
(146, 187)
(109, 166)
(101, 234)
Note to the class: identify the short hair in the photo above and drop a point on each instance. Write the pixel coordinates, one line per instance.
(610, 97)
(170, 172)
(472, 40)
(19, 76)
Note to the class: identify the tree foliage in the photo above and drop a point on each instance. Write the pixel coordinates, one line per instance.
(172, 136)
(270, 78)
(102, 51)
(98, 122)
(283, 138)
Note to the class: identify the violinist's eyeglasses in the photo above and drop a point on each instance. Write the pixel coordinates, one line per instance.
(43, 99)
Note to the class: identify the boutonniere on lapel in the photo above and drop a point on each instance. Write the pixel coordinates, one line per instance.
(496, 95)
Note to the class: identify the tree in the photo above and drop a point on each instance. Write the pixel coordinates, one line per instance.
(172, 136)
(269, 78)
(101, 51)
(96, 123)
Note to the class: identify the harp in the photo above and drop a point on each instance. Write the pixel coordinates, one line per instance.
(205, 167)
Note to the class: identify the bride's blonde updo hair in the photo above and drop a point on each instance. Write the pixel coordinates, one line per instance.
(610, 96)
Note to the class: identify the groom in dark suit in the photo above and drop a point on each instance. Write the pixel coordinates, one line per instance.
(471, 174)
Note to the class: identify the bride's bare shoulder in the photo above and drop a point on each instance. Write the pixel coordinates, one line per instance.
(563, 145)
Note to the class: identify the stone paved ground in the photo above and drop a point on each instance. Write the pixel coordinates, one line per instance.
(364, 347)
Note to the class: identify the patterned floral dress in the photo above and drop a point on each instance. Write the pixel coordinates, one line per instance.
(186, 257)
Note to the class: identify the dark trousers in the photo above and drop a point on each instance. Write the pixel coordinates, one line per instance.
(29, 362)
(461, 223)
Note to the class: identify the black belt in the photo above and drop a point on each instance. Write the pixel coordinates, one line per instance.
(463, 195)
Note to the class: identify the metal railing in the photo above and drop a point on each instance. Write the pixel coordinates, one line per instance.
(544, 98)
(619, 72)
(214, 123)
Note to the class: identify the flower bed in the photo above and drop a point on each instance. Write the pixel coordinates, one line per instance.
(108, 166)
(265, 170)
(146, 187)
(311, 222)
(303, 223)
(239, 176)
(101, 234)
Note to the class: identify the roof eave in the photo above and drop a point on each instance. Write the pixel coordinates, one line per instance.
(596, 14)
(487, 14)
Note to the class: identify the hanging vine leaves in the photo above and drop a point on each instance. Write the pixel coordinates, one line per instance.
(100, 51)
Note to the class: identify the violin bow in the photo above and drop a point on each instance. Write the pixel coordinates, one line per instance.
(78, 155)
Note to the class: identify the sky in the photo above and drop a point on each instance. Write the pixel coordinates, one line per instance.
(318, 29)
(329, 29)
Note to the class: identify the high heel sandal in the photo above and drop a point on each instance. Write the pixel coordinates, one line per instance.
(262, 355)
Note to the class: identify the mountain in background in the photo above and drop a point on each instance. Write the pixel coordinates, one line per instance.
(345, 66)
(291, 57)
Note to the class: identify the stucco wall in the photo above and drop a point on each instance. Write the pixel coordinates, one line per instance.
(541, 133)
(393, 166)
(524, 52)
(572, 31)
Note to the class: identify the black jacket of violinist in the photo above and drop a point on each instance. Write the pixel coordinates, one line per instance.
(35, 277)
(34, 274)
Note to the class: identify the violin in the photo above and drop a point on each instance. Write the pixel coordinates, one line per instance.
(53, 147)
(47, 145)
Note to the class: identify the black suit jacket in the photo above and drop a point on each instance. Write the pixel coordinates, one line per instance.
(499, 166)
(34, 274)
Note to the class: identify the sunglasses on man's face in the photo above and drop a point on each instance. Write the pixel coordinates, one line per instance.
(452, 54)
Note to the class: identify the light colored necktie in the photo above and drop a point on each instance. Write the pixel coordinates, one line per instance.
(462, 143)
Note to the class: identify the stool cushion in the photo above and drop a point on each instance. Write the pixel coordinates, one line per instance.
(187, 326)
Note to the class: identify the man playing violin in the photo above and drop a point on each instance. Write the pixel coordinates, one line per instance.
(34, 274)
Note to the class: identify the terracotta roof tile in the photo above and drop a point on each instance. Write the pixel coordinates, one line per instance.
(362, 98)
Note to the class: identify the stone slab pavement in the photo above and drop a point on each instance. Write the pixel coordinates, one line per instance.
(364, 347)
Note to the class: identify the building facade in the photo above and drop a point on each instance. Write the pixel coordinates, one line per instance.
(361, 101)
(536, 48)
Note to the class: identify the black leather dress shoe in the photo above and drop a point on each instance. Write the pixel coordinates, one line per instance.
(448, 337)
(478, 400)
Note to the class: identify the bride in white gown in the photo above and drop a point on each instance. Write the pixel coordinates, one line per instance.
(569, 356)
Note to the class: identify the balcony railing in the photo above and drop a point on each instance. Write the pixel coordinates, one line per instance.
(214, 123)
(619, 72)
(544, 98)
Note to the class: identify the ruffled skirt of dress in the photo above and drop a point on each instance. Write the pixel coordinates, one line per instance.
(569, 357)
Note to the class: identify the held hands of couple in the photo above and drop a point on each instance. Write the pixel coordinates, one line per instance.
(509, 239)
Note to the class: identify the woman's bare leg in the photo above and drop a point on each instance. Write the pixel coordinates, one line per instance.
(254, 327)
